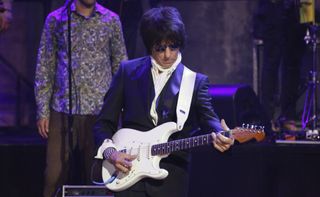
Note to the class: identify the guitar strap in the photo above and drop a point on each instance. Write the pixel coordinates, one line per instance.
(185, 96)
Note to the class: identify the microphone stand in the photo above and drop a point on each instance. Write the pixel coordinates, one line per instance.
(310, 111)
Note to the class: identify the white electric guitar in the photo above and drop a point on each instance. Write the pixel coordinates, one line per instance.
(151, 146)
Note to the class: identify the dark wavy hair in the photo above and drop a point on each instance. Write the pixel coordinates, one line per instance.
(162, 24)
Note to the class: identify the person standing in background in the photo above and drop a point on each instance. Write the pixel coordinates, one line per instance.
(277, 24)
(97, 48)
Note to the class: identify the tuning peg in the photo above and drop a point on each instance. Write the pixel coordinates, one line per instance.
(252, 127)
(262, 128)
(245, 126)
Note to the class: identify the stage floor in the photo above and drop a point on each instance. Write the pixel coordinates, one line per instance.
(283, 168)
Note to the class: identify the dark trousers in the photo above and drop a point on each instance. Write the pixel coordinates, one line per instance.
(59, 169)
(284, 48)
(287, 54)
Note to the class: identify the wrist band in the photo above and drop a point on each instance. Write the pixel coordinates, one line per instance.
(107, 153)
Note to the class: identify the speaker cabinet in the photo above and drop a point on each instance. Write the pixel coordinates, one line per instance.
(85, 191)
(237, 104)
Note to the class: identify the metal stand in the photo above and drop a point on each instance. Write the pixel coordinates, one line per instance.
(310, 111)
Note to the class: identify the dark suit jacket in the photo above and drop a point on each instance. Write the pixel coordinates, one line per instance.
(131, 95)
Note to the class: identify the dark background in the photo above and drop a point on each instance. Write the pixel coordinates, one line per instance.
(220, 45)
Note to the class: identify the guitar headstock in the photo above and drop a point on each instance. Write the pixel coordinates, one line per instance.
(248, 132)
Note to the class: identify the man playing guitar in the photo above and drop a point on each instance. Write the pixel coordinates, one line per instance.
(145, 92)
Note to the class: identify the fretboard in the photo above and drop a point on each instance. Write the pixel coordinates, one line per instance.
(181, 144)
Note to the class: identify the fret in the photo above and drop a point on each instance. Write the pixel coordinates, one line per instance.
(163, 149)
(196, 141)
(179, 144)
(205, 139)
(176, 146)
(208, 139)
(188, 143)
(192, 142)
(159, 149)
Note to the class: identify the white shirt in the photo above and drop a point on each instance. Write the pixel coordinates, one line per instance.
(160, 77)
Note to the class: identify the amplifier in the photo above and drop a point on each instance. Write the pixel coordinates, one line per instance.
(85, 191)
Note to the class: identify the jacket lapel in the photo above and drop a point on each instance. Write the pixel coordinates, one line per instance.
(146, 86)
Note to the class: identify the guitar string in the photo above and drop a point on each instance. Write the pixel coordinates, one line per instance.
(165, 147)
(176, 143)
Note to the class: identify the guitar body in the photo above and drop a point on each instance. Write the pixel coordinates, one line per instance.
(145, 165)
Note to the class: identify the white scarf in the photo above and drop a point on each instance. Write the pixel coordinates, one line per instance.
(160, 77)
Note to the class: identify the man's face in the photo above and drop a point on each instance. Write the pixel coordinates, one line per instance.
(87, 3)
(165, 54)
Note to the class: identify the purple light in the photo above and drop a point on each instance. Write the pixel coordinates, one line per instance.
(223, 90)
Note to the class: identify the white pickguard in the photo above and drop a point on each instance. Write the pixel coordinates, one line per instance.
(145, 165)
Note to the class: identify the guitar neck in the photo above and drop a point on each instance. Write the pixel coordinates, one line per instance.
(182, 144)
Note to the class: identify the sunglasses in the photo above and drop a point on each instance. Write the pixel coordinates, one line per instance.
(162, 48)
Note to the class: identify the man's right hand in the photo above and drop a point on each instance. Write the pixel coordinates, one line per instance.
(43, 127)
(122, 161)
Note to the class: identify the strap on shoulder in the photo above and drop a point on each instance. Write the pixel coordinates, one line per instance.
(185, 96)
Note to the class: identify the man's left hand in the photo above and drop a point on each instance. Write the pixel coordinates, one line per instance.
(221, 142)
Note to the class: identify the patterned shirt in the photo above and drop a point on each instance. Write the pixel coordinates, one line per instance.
(97, 46)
